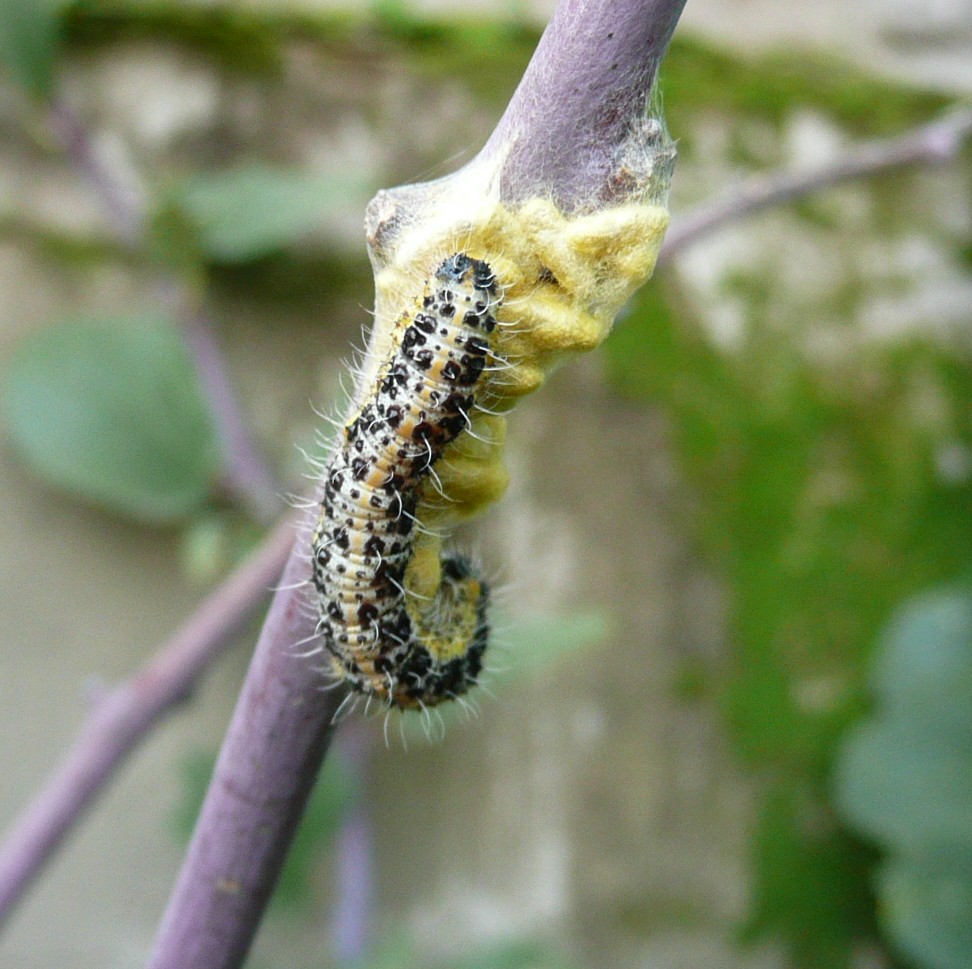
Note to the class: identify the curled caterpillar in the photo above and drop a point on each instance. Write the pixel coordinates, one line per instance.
(384, 641)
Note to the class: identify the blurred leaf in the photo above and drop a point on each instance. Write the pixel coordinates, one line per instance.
(112, 412)
(513, 955)
(908, 787)
(923, 671)
(929, 914)
(214, 541)
(30, 35)
(905, 777)
(528, 646)
(520, 648)
(330, 799)
(252, 211)
(207, 547)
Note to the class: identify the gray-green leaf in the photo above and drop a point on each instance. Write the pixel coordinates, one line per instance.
(111, 410)
(251, 211)
(929, 914)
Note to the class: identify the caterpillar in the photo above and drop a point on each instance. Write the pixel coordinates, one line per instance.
(383, 640)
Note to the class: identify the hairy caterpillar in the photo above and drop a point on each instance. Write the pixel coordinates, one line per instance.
(402, 621)
(384, 640)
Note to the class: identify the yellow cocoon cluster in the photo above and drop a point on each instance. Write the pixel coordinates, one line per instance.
(563, 279)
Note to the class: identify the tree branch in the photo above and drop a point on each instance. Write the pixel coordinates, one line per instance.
(933, 143)
(127, 714)
(274, 746)
(592, 73)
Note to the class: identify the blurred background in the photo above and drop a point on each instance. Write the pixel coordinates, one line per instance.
(732, 726)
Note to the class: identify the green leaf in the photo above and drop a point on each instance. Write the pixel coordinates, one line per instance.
(905, 777)
(923, 671)
(522, 954)
(929, 914)
(908, 786)
(30, 35)
(255, 210)
(520, 648)
(112, 412)
(529, 646)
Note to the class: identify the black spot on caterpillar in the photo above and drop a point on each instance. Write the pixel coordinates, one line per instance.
(384, 641)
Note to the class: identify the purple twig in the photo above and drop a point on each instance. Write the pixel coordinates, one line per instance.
(244, 471)
(275, 744)
(937, 142)
(355, 888)
(124, 212)
(128, 712)
(593, 72)
(281, 728)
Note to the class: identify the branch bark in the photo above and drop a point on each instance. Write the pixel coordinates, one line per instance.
(593, 71)
(274, 746)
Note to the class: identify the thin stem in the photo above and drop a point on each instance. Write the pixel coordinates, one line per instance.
(593, 72)
(355, 862)
(246, 474)
(273, 750)
(937, 142)
(126, 714)
(124, 212)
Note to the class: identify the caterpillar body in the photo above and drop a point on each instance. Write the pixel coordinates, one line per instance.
(384, 641)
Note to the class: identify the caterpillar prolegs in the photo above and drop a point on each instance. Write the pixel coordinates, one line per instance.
(384, 641)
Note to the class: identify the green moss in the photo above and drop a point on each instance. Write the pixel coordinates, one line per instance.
(230, 36)
(253, 41)
(818, 496)
(293, 281)
(698, 76)
(489, 56)
(65, 248)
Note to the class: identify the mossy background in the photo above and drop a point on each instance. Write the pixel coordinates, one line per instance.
(770, 455)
